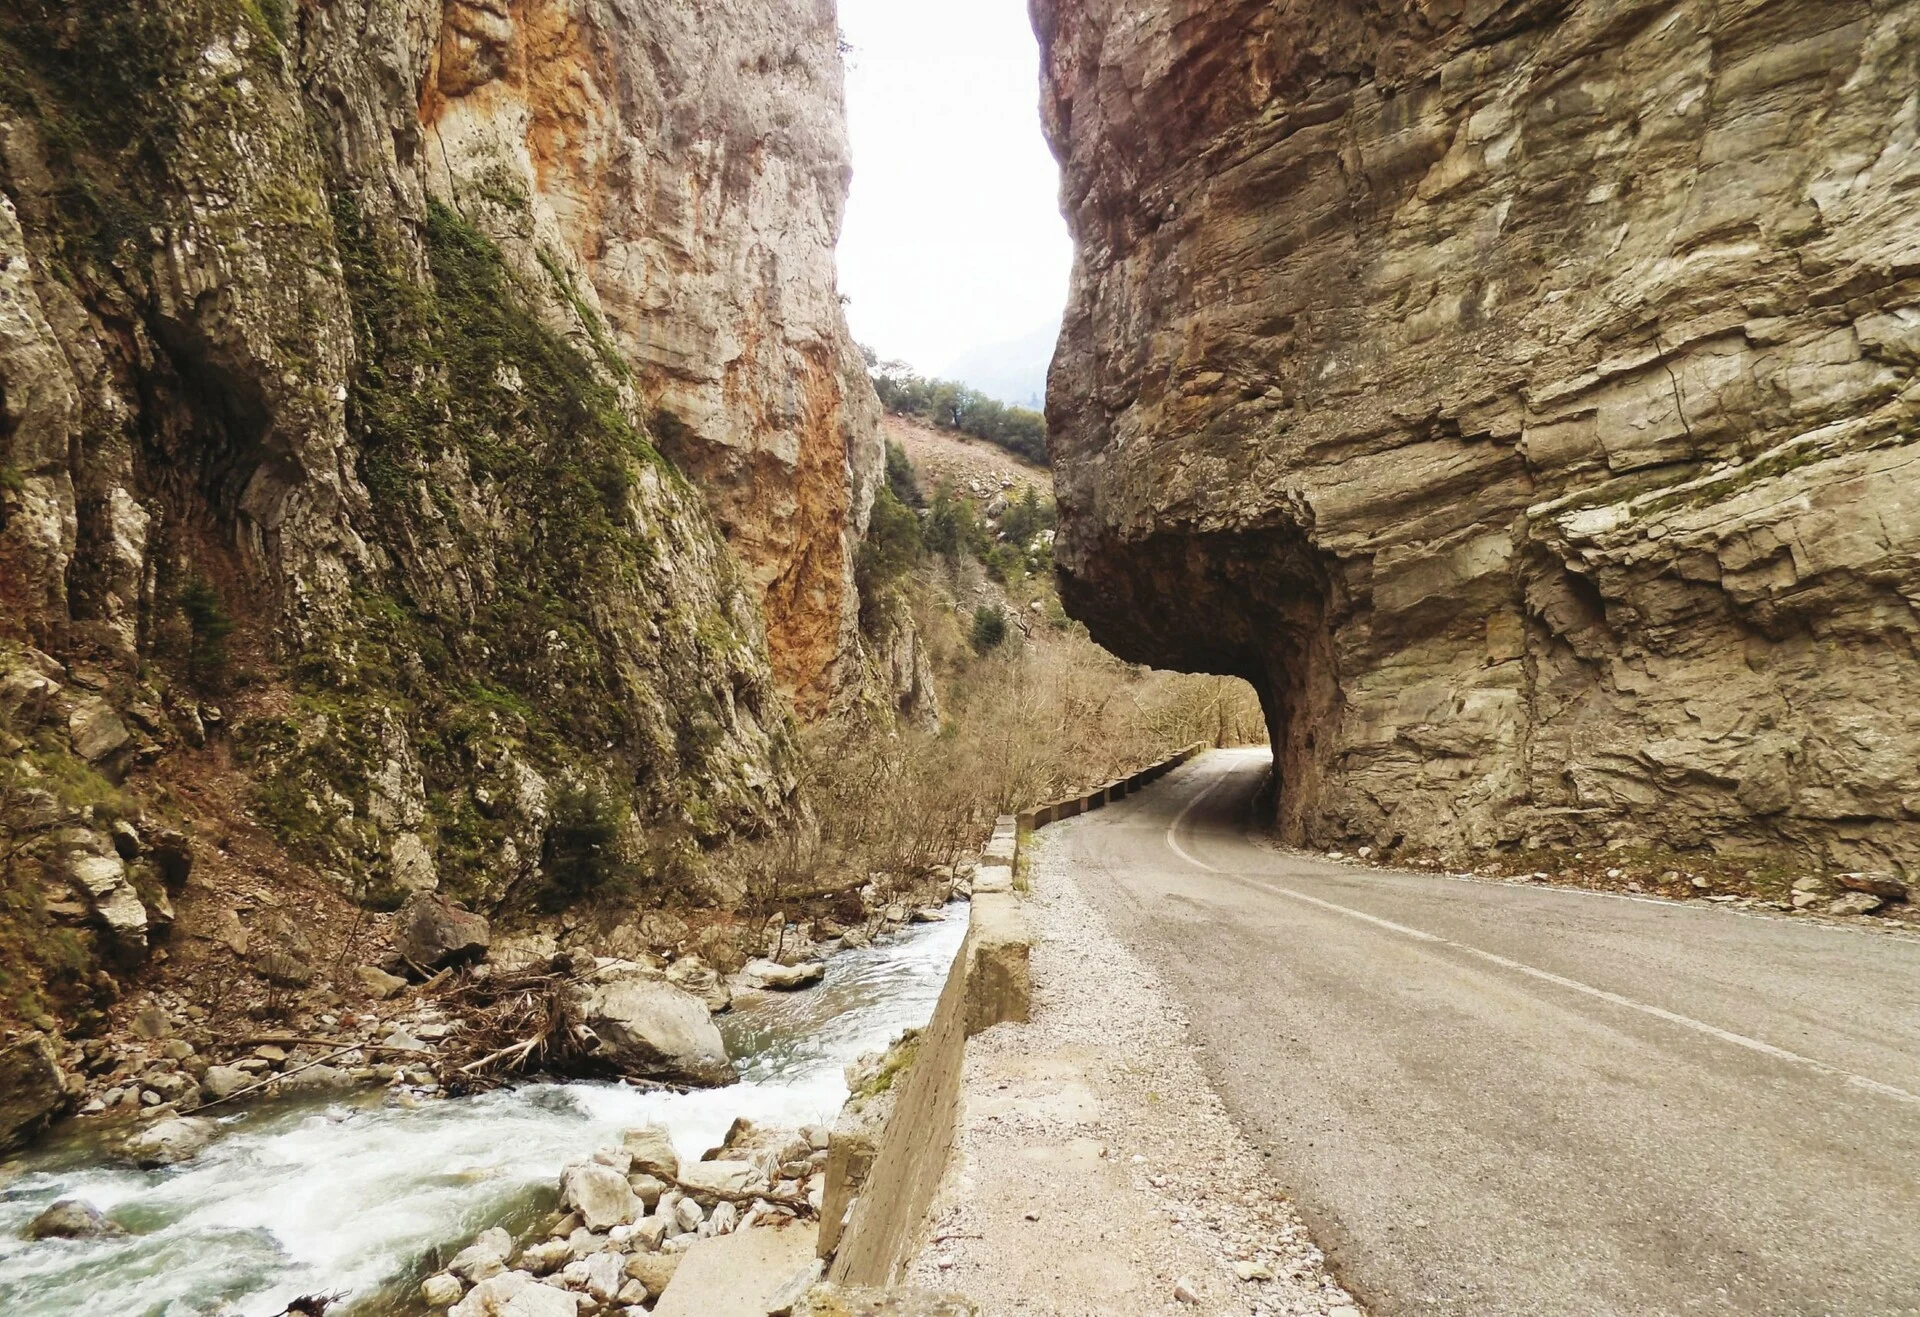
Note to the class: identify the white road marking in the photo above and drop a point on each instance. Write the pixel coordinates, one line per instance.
(1545, 976)
(1181, 817)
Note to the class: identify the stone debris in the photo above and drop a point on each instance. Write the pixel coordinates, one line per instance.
(629, 1214)
(1883, 885)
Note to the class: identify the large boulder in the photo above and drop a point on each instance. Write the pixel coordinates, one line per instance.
(33, 1090)
(782, 978)
(652, 1151)
(702, 980)
(97, 873)
(648, 1028)
(70, 1218)
(721, 1177)
(434, 933)
(485, 1256)
(600, 1194)
(170, 1142)
(515, 1294)
(96, 730)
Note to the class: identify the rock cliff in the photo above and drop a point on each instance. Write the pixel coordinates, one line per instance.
(1520, 395)
(432, 424)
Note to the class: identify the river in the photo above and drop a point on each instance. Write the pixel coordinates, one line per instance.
(354, 1196)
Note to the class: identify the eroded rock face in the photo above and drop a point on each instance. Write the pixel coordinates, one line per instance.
(1522, 397)
(483, 361)
(688, 166)
(34, 1090)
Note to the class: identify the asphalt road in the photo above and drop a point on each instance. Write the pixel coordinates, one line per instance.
(1495, 1099)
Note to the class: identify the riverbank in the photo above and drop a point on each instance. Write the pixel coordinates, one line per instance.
(1096, 1170)
(371, 1192)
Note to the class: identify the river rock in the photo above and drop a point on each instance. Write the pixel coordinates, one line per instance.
(782, 978)
(722, 1177)
(1883, 885)
(600, 1195)
(647, 1188)
(605, 1275)
(70, 1218)
(169, 1142)
(441, 1291)
(1855, 903)
(223, 1081)
(694, 975)
(171, 1085)
(434, 933)
(377, 983)
(648, 1234)
(486, 1256)
(515, 1294)
(652, 1150)
(654, 1270)
(33, 1089)
(546, 1256)
(648, 1028)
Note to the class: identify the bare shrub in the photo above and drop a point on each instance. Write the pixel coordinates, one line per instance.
(1023, 723)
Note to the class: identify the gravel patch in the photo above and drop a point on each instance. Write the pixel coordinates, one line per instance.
(1097, 1171)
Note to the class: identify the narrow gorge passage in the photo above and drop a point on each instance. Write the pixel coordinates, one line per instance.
(1499, 1099)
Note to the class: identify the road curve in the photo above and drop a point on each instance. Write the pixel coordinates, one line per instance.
(1492, 1099)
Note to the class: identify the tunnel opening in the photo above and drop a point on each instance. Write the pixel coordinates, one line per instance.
(1257, 605)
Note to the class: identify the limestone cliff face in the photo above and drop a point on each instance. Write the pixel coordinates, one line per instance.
(435, 352)
(691, 164)
(1522, 396)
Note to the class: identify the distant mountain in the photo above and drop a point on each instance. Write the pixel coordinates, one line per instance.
(1013, 372)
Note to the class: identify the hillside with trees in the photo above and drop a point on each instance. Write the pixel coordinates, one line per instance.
(950, 405)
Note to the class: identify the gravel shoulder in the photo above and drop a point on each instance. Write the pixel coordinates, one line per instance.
(1097, 1171)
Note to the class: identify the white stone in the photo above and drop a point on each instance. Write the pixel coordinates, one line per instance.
(600, 1195)
(605, 1275)
(441, 1291)
(720, 1177)
(651, 1152)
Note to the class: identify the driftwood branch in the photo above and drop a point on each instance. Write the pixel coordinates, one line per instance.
(799, 1206)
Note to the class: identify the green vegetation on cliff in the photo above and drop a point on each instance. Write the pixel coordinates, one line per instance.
(497, 451)
(953, 406)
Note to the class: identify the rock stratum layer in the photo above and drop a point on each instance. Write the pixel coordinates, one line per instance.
(1520, 395)
(439, 415)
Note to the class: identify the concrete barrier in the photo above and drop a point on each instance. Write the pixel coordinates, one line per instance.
(879, 1188)
(877, 1196)
(999, 980)
(883, 1222)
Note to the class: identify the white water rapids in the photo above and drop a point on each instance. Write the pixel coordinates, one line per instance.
(356, 1195)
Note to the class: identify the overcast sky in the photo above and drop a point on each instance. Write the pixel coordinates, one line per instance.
(953, 239)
